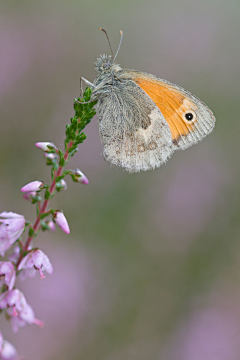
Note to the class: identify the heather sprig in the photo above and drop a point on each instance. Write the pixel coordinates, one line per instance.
(23, 259)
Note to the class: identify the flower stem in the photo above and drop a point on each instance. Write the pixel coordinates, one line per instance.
(44, 205)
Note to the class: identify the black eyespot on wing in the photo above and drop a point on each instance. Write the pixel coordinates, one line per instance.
(189, 116)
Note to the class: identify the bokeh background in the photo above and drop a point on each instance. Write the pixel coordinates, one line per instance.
(151, 269)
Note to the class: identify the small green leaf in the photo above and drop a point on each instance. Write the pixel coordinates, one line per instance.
(47, 194)
(44, 226)
(66, 172)
(60, 177)
(55, 166)
(42, 216)
(52, 173)
(36, 199)
(72, 148)
(31, 231)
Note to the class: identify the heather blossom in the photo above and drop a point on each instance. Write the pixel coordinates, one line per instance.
(78, 176)
(11, 228)
(5, 242)
(18, 309)
(24, 260)
(29, 195)
(15, 224)
(45, 146)
(20, 318)
(36, 260)
(51, 225)
(7, 350)
(7, 274)
(33, 186)
(61, 221)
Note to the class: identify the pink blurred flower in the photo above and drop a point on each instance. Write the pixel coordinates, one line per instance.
(14, 256)
(13, 298)
(8, 273)
(33, 186)
(18, 309)
(1, 341)
(51, 225)
(50, 156)
(19, 319)
(28, 195)
(11, 229)
(7, 350)
(61, 221)
(45, 146)
(36, 260)
(5, 243)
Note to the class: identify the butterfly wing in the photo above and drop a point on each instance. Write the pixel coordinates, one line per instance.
(188, 118)
(133, 130)
(144, 119)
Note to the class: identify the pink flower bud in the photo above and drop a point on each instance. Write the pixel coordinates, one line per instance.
(61, 221)
(28, 195)
(33, 186)
(61, 185)
(51, 225)
(45, 146)
(80, 177)
(50, 156)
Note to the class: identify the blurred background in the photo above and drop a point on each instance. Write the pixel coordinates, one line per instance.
(151, 268)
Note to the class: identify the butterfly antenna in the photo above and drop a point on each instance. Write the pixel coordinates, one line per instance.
(121, 33)
(108, 40)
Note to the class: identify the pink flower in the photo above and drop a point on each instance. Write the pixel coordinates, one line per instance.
(7, 271)
(61, 221)
(28, 195)
(51, 225)
(19, 319)
(45, 146)
(36, 260)
(18, 309)
(61, 185)
(12, 298)
(50, 156)
(5, 243)
(80, 177)
(7, 351)
(11, 229)
(33, 186)
(14, 256)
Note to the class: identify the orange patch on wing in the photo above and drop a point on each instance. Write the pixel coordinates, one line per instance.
(171, 103)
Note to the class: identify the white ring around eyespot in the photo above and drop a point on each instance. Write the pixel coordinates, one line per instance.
(193, 119)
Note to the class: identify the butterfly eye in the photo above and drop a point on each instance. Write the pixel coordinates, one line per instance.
(106, 65)
(189, 116)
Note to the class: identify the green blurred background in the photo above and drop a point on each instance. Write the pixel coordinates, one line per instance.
(151, 268)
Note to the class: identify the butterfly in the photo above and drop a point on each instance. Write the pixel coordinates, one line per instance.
(143, 119)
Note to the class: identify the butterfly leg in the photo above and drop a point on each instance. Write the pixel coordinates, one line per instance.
(86, 82)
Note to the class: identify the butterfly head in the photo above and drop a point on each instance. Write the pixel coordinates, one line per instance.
(105, 64)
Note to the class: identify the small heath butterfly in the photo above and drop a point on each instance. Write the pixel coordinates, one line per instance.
(143, 119)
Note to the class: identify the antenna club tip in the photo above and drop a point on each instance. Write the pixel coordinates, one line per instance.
(121, 32)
